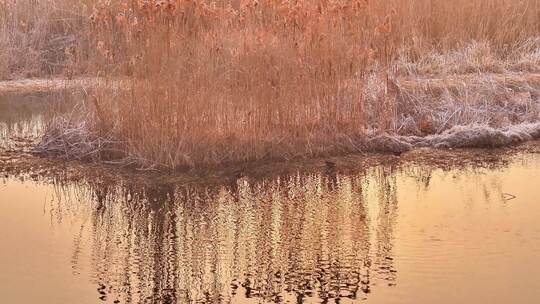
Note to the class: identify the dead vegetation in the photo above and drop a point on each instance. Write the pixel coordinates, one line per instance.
(39, 38)
(214, 83)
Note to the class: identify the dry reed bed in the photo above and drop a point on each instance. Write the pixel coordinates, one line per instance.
(39, 38)
(492, 110)
(215, 83)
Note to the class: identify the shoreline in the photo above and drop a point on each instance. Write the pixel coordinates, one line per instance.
(14, 163)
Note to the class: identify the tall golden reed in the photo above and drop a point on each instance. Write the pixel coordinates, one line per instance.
(226, 82)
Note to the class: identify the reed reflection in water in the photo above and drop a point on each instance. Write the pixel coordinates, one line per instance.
(292, 239)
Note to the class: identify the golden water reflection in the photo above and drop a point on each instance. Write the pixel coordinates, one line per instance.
(384, 235)
(300, 238)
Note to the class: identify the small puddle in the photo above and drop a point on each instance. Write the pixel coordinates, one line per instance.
(408, 233)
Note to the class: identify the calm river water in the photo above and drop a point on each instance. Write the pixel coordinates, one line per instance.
(387, 234)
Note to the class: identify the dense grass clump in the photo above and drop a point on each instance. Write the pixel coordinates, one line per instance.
(214, 82)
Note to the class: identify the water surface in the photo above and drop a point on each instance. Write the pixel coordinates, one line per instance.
(24, 116)
(408, 234)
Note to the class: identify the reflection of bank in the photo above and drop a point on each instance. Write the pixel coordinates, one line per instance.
(288, 239)
(23, 115)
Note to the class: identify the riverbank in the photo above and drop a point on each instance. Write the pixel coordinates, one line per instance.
(453, 111)
(24, 164)
(482, 120)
